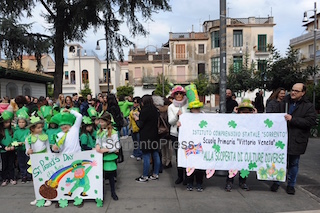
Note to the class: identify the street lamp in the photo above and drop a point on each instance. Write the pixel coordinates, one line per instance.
(305, 19)
(107, 59)
(162, 58)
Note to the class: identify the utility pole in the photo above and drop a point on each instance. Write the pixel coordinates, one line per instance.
(223, 55)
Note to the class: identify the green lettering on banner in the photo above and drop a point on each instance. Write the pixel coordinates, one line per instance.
(208, 155)
(274, 158)
(67, 157)
(240, 157)
(36, 171)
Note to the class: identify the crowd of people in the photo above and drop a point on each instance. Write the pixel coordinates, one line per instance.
(30, 125)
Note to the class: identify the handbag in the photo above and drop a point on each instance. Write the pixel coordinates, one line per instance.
(163, 128)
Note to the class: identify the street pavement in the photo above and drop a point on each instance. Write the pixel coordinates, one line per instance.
(164, 196)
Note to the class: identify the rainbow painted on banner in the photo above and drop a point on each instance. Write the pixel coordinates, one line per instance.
(58, 175)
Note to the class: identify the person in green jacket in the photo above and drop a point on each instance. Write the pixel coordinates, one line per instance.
(19, 137)
(6, 149)
(53, 130)
(125, 107)
(86, 139)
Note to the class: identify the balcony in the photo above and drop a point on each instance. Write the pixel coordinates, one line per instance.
(149, 80)
(104, 81)
(180, 58)
(304, 38)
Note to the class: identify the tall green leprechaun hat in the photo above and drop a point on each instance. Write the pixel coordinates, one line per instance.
(65, 118)
(92, 112)
(193, 98)
(46, 112)
(22, 113)
(6, 115)
(54, 119)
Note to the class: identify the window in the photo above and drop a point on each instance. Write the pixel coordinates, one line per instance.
(137, 72)
(262, 65)
(215, 65)
(127, 76)
(66, 75)
(73, 77)
(181, 74)
(12, 90)
(26, 90)
(180, 51)
(105, 75)
(237, 63)
(71, 49)
(201, 48)
(215, 40)
(311, 52)
(157, 71)
(201, 69)
(85, 76)
(262, 43)
(237, 38)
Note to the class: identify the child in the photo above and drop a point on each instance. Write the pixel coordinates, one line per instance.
(37, 142)
(67, 141)
(53, 130)
(86, 138)
(195, 107)
(93, 114)
(244, 107)
(108, 143)
(137, 153)
(7, 151)
(19, 136)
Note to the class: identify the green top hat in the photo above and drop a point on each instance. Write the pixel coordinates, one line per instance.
(7, 115)
(54, 119)
(46, 112)
(193, 97)
(246, 103)
(65, 118)
(92, 112)
(34, 120)
(75, 109)
(86, 120)
(22, 113)
(77, 165)
(109, 161)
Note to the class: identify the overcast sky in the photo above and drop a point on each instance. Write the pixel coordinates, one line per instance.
(287, 15)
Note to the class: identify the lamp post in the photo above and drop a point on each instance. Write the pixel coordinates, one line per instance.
(107, 59)
(162, 58)
(79, 52)
(305, 19)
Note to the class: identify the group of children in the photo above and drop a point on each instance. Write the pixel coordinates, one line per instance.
(48, 131)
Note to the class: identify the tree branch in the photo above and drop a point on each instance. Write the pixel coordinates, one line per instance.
(47, 8)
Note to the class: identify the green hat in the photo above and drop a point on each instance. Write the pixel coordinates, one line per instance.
(92, 112)
(75, 109)
(246, 103)
(86, 120)
(55, 109)
(22, 113)
(77, 165)
(34, 120)
(46, 112)
(54, 119)
(193, 97)
(109, 163)
(65, 118)
(7, 115)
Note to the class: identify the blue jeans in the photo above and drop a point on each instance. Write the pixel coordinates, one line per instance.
(22, 160)
(136, 144)
(125, 129)
(293, 168)
(146, 162)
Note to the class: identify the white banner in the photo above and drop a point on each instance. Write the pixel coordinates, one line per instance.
(68, 176)
(234, 142)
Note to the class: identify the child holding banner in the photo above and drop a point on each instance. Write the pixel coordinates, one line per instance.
(37, 142)
(108, 144)
(86, 138)
(244, 107)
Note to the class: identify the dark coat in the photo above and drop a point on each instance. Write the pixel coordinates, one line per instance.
(148, 125)
(117, 116)
(273, 106)
(303, 118)
(230, 105)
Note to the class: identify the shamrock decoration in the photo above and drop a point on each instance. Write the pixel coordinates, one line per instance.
(40, 203)
(99, 202)
(77, 201)
(40, 179)
(63, 203)
(203, 123)
(244, 173)
(92, 155)
(47, 158)
(263, 173)
(252, 165)
(268, 123)
(97, 176)
(86, 120)
(15, 143)
(216, 147)
(62, 188)
(281, 174)
(34, 119)
(280, 145)
(96, 191)
(232, 124)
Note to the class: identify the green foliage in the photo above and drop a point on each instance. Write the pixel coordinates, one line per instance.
(310, 94)
(204, 86)
(125, 91)
(167, 86)
(86, 91)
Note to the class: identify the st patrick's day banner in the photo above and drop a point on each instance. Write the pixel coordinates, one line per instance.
(64, 177)
(234, 142)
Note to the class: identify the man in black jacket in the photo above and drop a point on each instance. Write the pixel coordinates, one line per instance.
(301, 116)
(230, 103)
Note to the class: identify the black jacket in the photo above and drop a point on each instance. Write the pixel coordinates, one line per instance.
(303, 118)
(148, 125)
(273, 106)
(230, 105)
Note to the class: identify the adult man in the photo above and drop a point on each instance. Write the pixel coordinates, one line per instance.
(258, 102)
(230, 103)
(301, 116)
(75, 100)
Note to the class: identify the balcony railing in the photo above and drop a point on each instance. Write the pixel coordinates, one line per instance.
(304, 38)
(180, 56)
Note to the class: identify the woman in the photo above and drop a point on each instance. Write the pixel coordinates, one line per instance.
(147, 122)
(69, 102)
(274, 101)
(178, 106)
(61, 102)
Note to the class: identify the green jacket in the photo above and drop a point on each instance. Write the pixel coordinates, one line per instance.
(6, 141)
(86, 139)
(51, 134)
(125, 107)
(20, 135)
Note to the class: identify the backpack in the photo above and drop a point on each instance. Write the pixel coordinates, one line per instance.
(163, 127)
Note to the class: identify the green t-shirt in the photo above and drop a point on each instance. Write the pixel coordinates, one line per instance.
(20, 135)
(6, 141)
(86, 139)
(51, 134)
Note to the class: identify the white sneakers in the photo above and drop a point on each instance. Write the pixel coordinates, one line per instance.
(46, 204)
